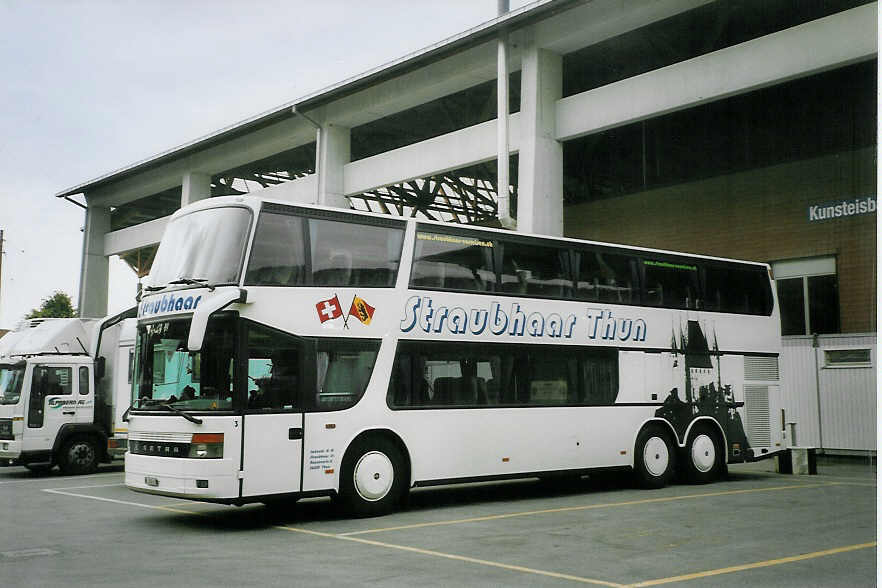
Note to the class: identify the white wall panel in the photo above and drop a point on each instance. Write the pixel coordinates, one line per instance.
(847, 395)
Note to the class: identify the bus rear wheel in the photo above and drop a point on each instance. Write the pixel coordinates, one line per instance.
(373, 478)
(79, 455)
(703, 458)
(654, 457)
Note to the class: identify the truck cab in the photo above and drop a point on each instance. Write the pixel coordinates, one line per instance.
(58, 404)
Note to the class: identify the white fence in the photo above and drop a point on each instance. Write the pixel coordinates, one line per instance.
(831, 396)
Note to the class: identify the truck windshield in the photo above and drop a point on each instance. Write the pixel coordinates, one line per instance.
(170, 375)
(11, 377)
(206, 246)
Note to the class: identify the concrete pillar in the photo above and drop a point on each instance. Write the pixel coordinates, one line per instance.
(94, 269)
(334, 153)
(195, 186)
(540, 160)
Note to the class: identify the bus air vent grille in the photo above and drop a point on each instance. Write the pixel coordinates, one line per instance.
(756, 403)
(161, 437)
(761, 368)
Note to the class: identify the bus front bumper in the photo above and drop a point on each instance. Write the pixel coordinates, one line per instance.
(180, 478)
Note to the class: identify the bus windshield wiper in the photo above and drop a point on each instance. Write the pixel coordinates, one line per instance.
(180, 412)
(193, 281)
(153, 288)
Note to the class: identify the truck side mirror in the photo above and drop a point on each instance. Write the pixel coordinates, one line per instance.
(99, 367)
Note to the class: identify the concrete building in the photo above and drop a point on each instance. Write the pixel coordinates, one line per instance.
(734, 128)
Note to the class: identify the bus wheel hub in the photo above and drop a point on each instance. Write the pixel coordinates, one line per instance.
(373, 476)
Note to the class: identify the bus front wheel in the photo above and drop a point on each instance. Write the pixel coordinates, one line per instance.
(373, 478)
(703, 456)
(654, 457)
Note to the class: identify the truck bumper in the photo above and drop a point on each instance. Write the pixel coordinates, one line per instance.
(10, 452)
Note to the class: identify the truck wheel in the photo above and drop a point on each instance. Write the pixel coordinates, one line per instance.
(79, 455)
(372, 481)
(703, 456)
(654, 457)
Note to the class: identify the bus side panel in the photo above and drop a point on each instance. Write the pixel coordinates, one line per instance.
(449, 444)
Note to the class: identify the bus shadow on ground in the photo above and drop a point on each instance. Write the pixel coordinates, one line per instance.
(257, 516)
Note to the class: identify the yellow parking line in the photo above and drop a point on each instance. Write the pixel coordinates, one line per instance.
(523, 569)
(474, 560)
(751, 566)
(586, 507)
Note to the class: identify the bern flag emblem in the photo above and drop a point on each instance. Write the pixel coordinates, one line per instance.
(329, 309)
(361, 310)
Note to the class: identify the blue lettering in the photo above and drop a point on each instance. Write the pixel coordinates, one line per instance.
(428, 312)
(478, 321)
(625, 329)
(611, 328)
(609, 332)
(440, 317)
(500, 319)
(640, 333)
(518, 320)
(410, 314)
(571, 324)
(456, 320)
(536, 324)
(555, 325)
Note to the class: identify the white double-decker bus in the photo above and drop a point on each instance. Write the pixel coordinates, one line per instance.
(286, 351)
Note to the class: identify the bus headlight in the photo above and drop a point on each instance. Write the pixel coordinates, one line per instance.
(207, 446)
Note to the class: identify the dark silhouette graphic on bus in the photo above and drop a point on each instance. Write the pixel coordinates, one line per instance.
(704, 393)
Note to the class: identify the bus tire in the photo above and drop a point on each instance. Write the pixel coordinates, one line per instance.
(79, 455)
(373, 478)
(703, 458)
(654, 457)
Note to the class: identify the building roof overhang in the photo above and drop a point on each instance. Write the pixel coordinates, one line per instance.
(515, 19)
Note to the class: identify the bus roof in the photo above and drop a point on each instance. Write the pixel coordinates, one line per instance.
(255, 202)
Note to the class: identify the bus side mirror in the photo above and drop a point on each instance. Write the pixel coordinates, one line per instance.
(99, 367)
(222, 299)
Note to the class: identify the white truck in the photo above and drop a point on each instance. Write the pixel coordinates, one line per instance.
(65, 385)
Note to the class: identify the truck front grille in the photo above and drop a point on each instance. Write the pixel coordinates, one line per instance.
(6, 429)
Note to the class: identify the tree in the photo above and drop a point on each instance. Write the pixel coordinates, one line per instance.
(58, 305)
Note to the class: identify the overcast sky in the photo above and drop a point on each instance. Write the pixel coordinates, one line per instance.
(91, 86)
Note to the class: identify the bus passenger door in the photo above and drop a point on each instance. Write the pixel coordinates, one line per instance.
(272, 453)
(273, 421)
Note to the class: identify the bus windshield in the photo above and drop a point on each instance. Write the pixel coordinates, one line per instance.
(170, 375)
(11, 377)
(206, 245)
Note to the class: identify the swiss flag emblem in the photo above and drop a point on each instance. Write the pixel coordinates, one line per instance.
(329, 309)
